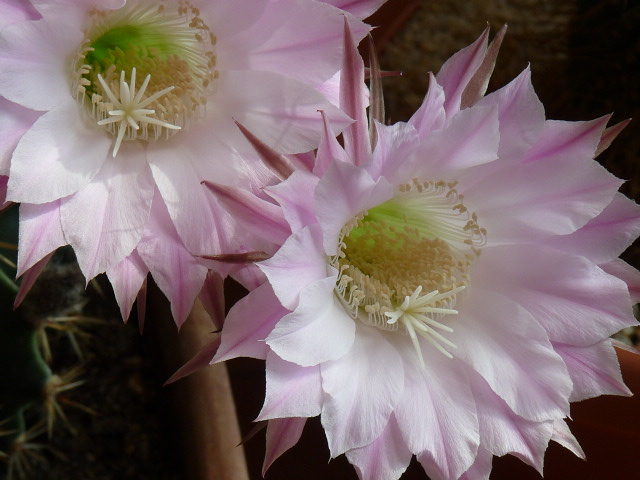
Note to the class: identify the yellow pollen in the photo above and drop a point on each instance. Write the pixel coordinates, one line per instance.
(168, 45)
(422, 240)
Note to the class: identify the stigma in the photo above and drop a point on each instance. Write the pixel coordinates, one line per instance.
(129, 116)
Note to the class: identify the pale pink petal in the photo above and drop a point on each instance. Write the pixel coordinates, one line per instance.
(246, 327)
(179, 184)
(49, 163)
(126, 279)
(299, 262)
(521, 116)
(318, 330)
(328, 150)
(282, 434)
(174, 269)
(444, 415)
(575, 301)
(14, 11)
(259, 216)
(29, 277)
(386, 458)
(352, 100)
(249, 276)
(395, 154)
(40, 233)
(456, 72)
(610, 134)
(522, 203)
(359, 8)
(594, 370)
(477, 86)
(295, 196)
(14, 122)
(358, 388)
(74, 11)
(292, 390)
(331, 89)
(563, 436)
(481, 467)
(471, 139)
(560, 140)
(282, 166)
(43, 71)
(500, 341)
(261, 101)
(503, 432)
(212, 298)
(228, 19)
(343, 192)
(431, 115)
(104, 221)
(606, 236)
(628, 274)
(200, 360)
(287, 36)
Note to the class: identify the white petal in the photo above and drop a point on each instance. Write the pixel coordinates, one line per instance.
(282, 112)
(362, 388)
(291, 391)
(126, 279)
(594, 370)
(14, 122)
(248, 324)
(105, 220)
(344, 192)
(174, 269)
(444, 415)
(35, 63)
(298, 263)
(575, 301)
(500, 341)
(282, 434)
(503, 432)
(40, 233)
(386, 458)
(318, 330)
(60, 154)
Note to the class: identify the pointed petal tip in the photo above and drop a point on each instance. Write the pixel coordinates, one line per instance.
(275, 161)
(200, 360)
(238, 258)
(610, 134)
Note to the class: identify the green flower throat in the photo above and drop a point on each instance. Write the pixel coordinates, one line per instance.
(169, 48)
(402, 264)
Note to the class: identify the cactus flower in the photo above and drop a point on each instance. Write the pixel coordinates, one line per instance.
(447, 292)
(113, 112)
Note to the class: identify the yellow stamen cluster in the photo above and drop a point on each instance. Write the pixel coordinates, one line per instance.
(166, 44)
(402, 264)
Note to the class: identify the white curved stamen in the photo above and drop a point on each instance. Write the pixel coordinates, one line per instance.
(129, 109)
(416, 312)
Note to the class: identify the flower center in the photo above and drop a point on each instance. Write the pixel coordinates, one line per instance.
(402, 264)
(168, 46)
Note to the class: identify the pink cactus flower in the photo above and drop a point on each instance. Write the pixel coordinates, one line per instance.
(112, 114)
(448, 292)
